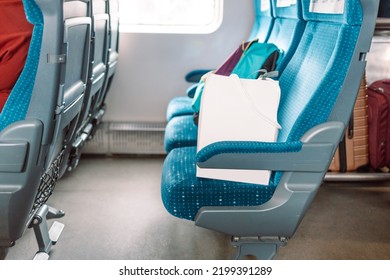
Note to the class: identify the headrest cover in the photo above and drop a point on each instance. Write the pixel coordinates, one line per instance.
(339, 11)
(287, 9)
(263, 8)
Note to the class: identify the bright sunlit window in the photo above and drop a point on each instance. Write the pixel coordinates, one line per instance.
(170, 16)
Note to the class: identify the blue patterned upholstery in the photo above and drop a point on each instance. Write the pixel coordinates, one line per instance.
(309, 85)
(179, 106)
(314, 76)
(17, 104)
(183, 193)
(263, 22)
(287, 31)
(180, 132)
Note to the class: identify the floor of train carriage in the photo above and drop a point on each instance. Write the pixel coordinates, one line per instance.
(114, 212)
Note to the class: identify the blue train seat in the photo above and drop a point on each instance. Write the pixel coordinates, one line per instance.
(261, 30)
(318, 91)
(39, 118)
(286, 32)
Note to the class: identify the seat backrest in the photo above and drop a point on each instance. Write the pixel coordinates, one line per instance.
(98, 61)
(100, 18)
(263, 20)
(311, 82)
(97, 75)
(113, 49)
(287, 29)
(113, 9)
(73, 73)
(26, 131)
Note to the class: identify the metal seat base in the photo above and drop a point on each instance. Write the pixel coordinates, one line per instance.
(46, 237)
(262, 248)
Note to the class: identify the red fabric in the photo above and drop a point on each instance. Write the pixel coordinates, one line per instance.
(15, 36)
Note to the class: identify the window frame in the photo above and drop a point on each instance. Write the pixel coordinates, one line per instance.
(176, 29)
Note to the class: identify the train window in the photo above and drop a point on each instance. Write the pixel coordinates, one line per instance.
(170, 16)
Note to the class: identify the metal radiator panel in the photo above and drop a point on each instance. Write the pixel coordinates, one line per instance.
(127, 138)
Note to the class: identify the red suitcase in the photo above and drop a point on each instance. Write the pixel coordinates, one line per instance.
(379, 123)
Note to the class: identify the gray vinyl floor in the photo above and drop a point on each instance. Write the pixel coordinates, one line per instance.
(114, 212)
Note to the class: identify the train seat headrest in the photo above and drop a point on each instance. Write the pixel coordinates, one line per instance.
(343, 11)
(287, 9)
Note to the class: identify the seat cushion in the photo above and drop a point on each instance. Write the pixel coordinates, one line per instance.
(179, 106)
(183, 194)
(180, 131)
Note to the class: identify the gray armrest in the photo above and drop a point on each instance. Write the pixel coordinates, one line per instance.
(195, 75)
(192, 90)
(13, 155)
(311, 158)
(314, 156)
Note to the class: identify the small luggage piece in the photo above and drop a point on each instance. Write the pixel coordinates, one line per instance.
(378, 123)
(352, 152)
(384, 9)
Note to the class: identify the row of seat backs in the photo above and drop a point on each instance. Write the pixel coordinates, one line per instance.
(285, 31)
(280, 24)
(41, 115)
(261, 28)
(265, 12)
(269, 25)
(113, 49)
(102, 67)
(109, 55)
(98, 61)
(104, 55)
(318, 88)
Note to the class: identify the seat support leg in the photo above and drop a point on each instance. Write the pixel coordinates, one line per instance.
(78, 146)
(54, 213)
(46, 238)
(263, 248)
(97, 120)
(3, 252)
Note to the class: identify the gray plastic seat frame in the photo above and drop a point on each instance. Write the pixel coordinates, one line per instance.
(262, 230)
(98, 61)
(113, 55)
(76, 50)
(96, 80)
